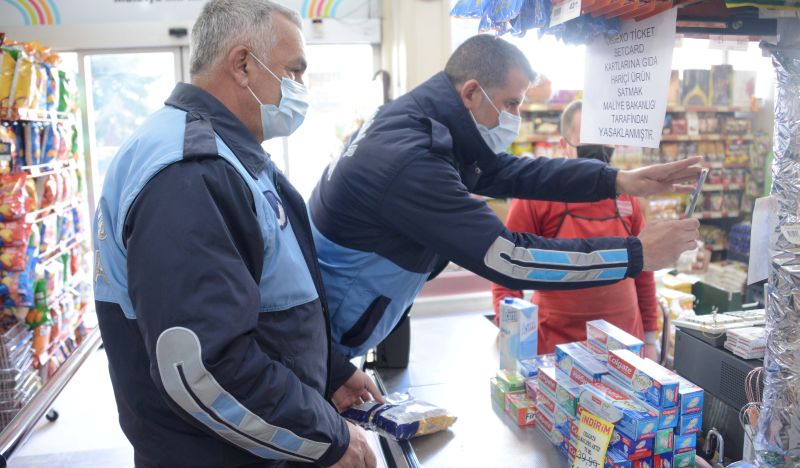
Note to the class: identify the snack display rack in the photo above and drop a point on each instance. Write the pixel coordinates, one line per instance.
(46, 316)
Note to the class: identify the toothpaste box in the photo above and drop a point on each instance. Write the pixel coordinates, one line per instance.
(547, 379)
(521, 409)
(567, 396)
(646, 462)
(518, 331)
(545, 424)
(564, 423)
(685, 443)
(683, 460)
(663, 460)
(547, 402)
(578, 363)
(631, 449)
(664, 441)
(630, 417)
(529, 368)
(532, 389)
(667, 418)
(617, 460)
(689, 424)
(510, 380)
(499, 393)
(604, 337)
(690, 396)
(569, 449)
(649, 381)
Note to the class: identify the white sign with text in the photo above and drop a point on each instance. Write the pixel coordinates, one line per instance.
(627, 79)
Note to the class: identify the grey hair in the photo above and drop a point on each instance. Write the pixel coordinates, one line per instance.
(224, 23)
(487, 59)
(568, 115)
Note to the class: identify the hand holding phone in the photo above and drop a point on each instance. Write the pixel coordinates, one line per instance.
(701, 179)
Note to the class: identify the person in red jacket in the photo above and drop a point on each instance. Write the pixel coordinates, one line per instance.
(629, 304)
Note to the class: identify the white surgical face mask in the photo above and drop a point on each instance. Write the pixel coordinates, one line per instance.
(284, 119)
(500, 137)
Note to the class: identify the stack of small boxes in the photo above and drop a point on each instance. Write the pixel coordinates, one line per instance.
(657, 413)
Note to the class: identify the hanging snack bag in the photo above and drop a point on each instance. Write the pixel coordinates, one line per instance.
(63, 150)
(14, 202)
(64, 92)
(33, 143)
(50, 142)
(9, 58)
(17, 128)
(51, 75)
(8, 149)
(469, 8)
(14, 234)
(23, 88)
(49, 192)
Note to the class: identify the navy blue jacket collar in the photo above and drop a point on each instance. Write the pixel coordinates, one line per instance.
(439, 100)
(240, 140)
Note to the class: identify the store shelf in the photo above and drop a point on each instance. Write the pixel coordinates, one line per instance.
(39, 215)
(61, 249)
(722, 187)
(12, 113)
(542, 107)
(717, 215)
(709, 137)
(54, 167)
(23, 424)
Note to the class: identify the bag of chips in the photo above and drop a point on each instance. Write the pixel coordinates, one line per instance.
(50, 191)
(24, 92)
(8, 149)
(14, 200)
(14, 234)
(8, 68)
(50, 142)
(33, 143)
(51, 75)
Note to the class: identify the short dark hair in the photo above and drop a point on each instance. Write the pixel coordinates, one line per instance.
(487, 59)
(567, 115)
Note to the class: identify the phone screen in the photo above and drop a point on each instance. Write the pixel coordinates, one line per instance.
(701, 179)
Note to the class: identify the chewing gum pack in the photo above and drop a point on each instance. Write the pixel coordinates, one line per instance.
(649, 381)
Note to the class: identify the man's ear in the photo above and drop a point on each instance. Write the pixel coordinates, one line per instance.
(470, 94)
(238, 66)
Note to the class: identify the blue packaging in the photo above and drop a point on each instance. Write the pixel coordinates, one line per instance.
(690, 396)
(615, 459)
(667, 417)
(631, 449)
(518, 331)
(605, 337)
(647, 380)
(630, 417)
(529, 368)
(689, 424)
(646, 462)
(579, 364)
(685, 443)
(663, 460)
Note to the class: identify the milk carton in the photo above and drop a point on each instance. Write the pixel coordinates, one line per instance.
(518, 332)
(647, 380)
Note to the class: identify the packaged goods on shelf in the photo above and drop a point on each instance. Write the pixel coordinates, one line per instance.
(578, 363)
(645, 378)
(747, 343)
(568, 395)
(629, 448)
(696, 88)
(729, 276)
(685, 443)
(521, 409)
(667, 417)
(630, 418)
(689, 423)
(603, 337)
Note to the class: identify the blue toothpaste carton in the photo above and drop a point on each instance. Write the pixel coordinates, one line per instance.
(683, 460)
(631, 449)
(689, 424)
(690, 396)
(603, 337)
(647, 380)
(646, 462)
(665, 441)
(631, 418)
(529, 368)
(615, 459)
(567, 395)
(579, 364)
(667, 418)
(685, 443)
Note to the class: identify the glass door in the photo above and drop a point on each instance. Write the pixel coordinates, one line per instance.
(122, 89)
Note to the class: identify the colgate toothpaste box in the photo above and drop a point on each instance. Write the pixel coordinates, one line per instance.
(646, 462)
(683, 460)
(545, 424)
(689, 424)
(615, 459)
(647, 380)
(665, 441)
(563, 422)
(631, 449)
(546, 401)
(685, 443)
(548, 379)
(579, 364)
(667, 417)
(663, 460)
(569, 449)
(529, 368)
(690, 396)
(567, 395)
(631, 418)
(604, 337)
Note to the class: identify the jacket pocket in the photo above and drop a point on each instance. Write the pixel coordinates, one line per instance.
(363, 328)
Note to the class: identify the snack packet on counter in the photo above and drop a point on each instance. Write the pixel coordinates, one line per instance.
(401, 418)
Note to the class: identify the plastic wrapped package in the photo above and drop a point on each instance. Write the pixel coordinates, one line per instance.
(778, 435)
(8, 67)
(401, 418)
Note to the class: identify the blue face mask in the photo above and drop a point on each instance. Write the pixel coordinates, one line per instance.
(284, 119)
(500, 137)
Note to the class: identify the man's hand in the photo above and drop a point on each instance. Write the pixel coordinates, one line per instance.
(650, 352)
(678, 176)
(358, 454)
(359, 387)
(664, 241)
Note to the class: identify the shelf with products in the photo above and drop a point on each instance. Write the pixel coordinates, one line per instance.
(10, 114)
(722, 187)
(559, 107)
(717, 215)
(705, 137)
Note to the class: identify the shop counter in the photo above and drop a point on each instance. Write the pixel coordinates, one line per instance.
(452, 360)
